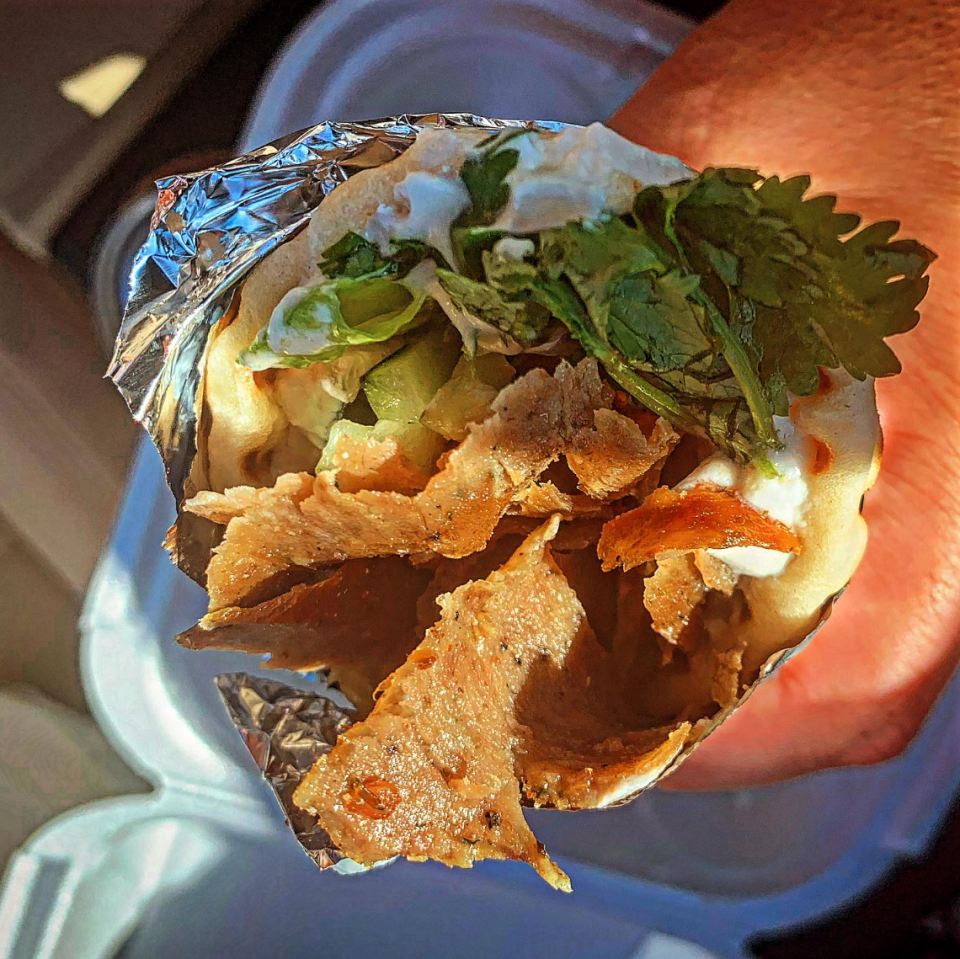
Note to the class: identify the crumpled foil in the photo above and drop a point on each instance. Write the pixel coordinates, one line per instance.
(286, 731)
(208, 231)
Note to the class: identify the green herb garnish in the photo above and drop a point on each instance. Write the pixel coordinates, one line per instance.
(711, 302)
(484, 174)
(354, 256)
(717, 296)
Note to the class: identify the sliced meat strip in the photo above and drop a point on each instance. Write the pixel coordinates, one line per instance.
(376, 465)
(306, 521)
(723, 621)
(715, 572)
(725, 687)
(593, 772)
(676, 589)
(704, 517)
(615, 455)
(581, 745)
(359, 624)
(509, 689)
(540, 500)
(450, 574)
(596, 590)
(671, 596)
(223, 507)
(430, 773)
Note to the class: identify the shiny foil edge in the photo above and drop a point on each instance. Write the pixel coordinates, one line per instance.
(285, 731)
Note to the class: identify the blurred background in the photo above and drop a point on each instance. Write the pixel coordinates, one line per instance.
(97, 100)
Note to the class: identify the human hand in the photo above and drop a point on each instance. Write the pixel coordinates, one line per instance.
(863, 95)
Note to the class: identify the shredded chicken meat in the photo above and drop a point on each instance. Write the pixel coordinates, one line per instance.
(358, 624)
(612, 458)
(430, 774)
(494, 663)
(376, 465)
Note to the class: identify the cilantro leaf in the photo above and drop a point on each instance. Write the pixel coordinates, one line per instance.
(632, 292)
(646, 305)
(556, 294)
(724, 294)
(484, 174)
(818, 294)
(652, 320)
(351, 256)
(354, 256)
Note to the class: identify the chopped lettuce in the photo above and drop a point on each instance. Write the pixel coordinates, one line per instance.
(320, 323)
(523, 322)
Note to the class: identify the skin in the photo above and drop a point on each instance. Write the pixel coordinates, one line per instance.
(862, 95)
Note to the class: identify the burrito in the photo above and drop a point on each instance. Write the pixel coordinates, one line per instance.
(543, 448)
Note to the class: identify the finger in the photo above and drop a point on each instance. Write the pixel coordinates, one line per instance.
(863, 94)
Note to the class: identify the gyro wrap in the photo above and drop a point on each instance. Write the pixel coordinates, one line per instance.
(622, 447)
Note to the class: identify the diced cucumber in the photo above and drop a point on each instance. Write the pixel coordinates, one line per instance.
(419, 445)
(466, 397)
(400, 387)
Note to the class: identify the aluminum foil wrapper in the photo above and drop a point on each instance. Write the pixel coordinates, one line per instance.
(286, 731)
(208, 231)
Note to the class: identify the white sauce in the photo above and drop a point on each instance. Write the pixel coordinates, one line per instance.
(782, 497)
(513, 248)
(284, 339)
(579, 174)
(424, 207)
